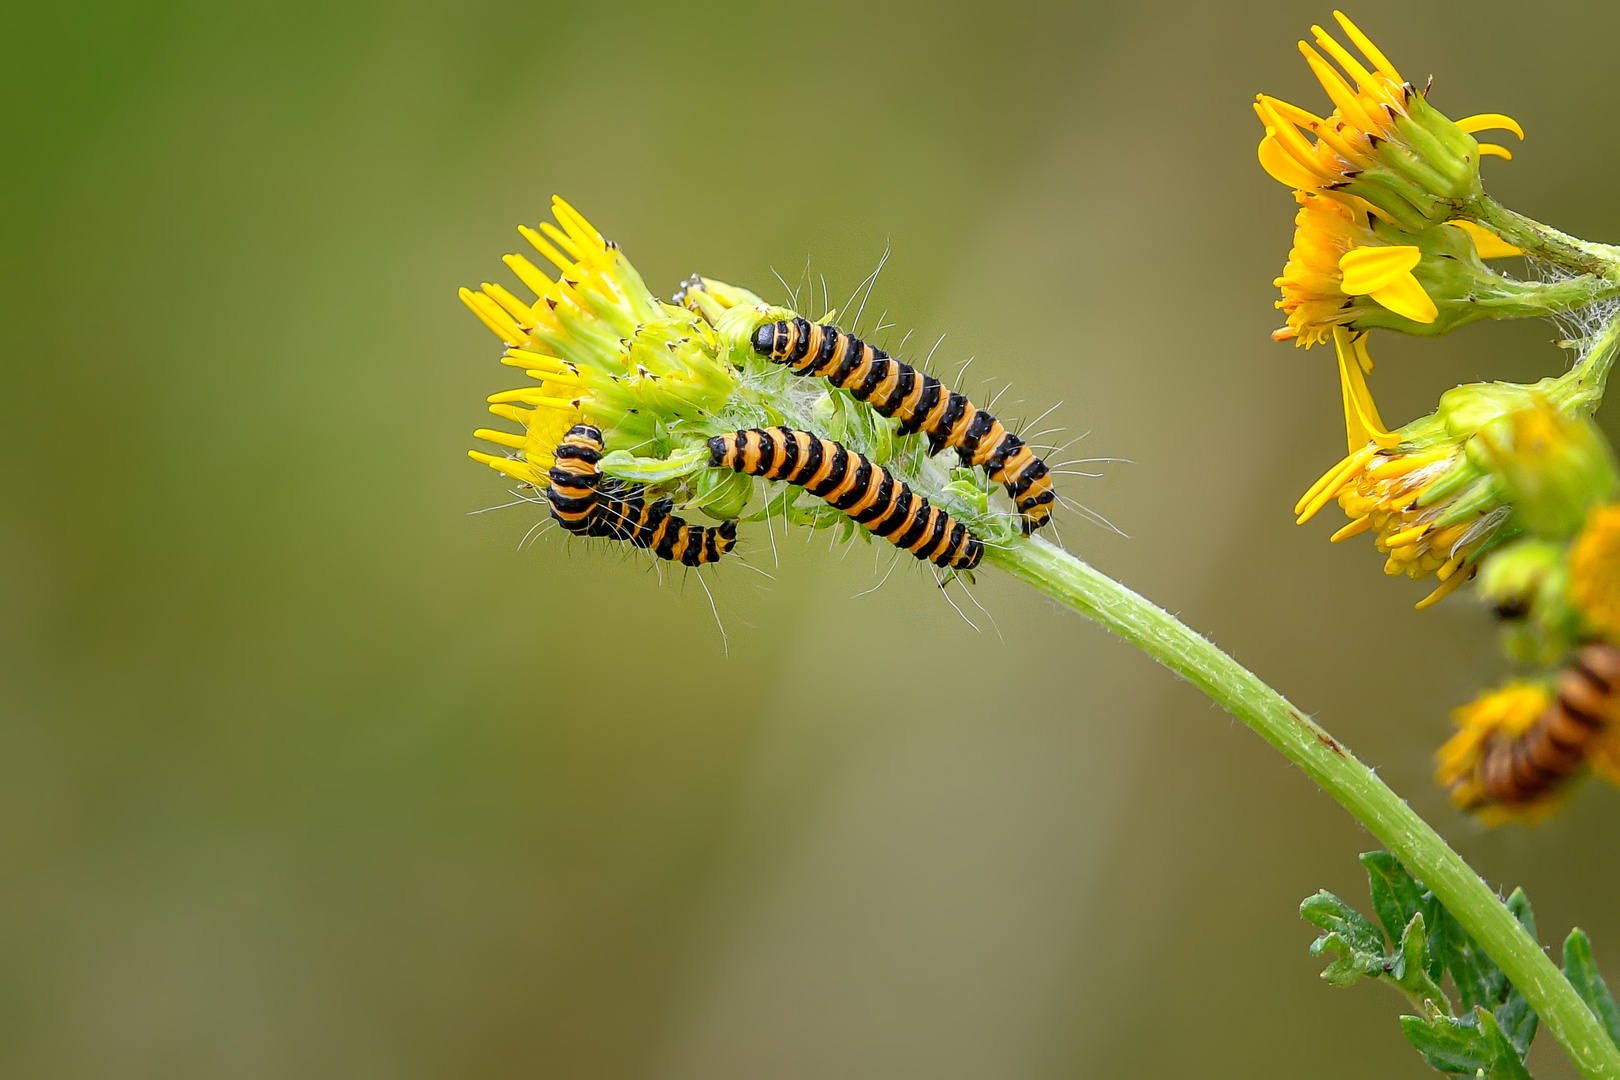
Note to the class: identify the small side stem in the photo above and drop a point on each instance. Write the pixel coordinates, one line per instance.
(1545, 242)
(1583, 385)
(1327, 761)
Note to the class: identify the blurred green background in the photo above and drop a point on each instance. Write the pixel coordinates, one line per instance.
(305, 771)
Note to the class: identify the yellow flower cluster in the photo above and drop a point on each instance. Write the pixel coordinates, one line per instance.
(601, 347)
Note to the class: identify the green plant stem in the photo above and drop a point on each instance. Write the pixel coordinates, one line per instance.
(1545, 242)
(1331, 764)
(1583, 384)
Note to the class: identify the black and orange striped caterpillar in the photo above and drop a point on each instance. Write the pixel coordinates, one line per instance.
(586, 506)
(851, 482)
(1516, 772)
(922, 403)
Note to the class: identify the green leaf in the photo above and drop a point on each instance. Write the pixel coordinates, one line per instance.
(1410, 970)
(1582, 972)
(1357, 941)
(1479, 981)
(1471, 1047)
(1396, 897)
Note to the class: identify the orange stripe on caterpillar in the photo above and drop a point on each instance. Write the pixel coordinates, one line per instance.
(853, 483)
(921, 402)
(1518, 771)
(586, 505)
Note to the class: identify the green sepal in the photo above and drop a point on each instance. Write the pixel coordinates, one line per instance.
(1461, 475)
(1583, 974)
(1475, 1046)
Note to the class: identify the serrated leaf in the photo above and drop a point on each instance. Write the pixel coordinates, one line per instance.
(1470, 1047)
(1410, 970)
(1583, 974)
(1350, 934)
(1396, 897)
(1339, 918)
(1519, 905)
(1518, 1021)
(1479, 981)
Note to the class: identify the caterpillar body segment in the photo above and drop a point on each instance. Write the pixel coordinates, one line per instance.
(920, 401)
(586, 506)
(851, 482)
(1518, 771)
(575, 476)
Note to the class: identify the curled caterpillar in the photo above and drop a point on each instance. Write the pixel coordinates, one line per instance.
(921, 402)
(850, 482)
(1518, 771)
(586, 506)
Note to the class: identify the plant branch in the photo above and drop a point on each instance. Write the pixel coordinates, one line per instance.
(1547, 243)
(1331, 764)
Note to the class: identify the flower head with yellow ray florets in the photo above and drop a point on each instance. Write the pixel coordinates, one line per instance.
(658, 380)
(1444, 491)
(1504, 715)
(1348, 268)
(1383, 144)
(602, 349)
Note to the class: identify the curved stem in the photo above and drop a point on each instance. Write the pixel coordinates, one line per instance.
(1582, 386)
(1332, 765)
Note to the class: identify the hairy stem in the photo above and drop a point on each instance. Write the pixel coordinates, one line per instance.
(1331, 764)
(1583, 384)
(1545, 242)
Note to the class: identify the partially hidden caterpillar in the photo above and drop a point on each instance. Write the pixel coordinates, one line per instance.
(1518, 771)
(922, 403)
(851, 482)
(586, 506)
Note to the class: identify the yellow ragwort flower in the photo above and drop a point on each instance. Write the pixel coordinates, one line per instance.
(602, 348)
(1498, 716)
(1337, 258)
(1383, 143)
(1594, 572)
(1427, 491)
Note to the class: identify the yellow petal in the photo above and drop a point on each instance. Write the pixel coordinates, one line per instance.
(1281, 166)
(1487, 243)
(493, 317)
(1344, 97)
(1490, 121)
(1363, 357)
(1361, 420)
(1351, 65)
(1450, 586)
(1368, 49)
(1355, 528)
(1405, 297)
(1368, 269)
(1490, 149)
(1288, 136)
(516, 468)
